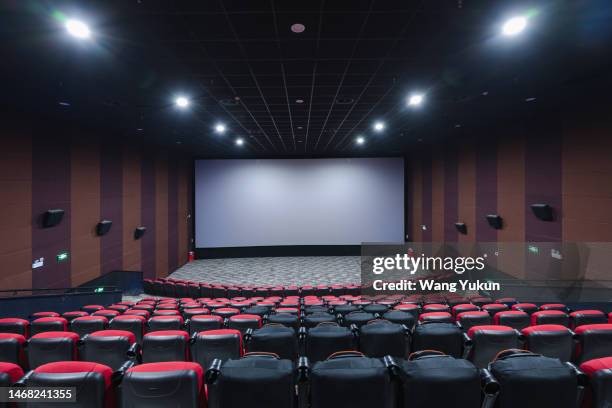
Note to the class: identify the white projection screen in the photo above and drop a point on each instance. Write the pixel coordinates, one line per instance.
(279, 202)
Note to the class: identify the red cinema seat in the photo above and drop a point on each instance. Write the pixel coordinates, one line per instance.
(9, 374)
(204, 322)
(487, 341)
(220, 344)
(554, 306)
(12, 348)
(165, 323)
(138, 312)
(464, 307)
(440, 317)
(109, 314)
(133, 324)
(525, 307)
(44, 314)
(481, 301)
(581, 317)
(243, 322)
(15, 325)
(196, 311)
(599, 372)
(594, 341)
(91, 380)
(45, 324)
(109, 347)
(507, 301)
(88, 324)
(165, 345)
(514, 318)
(436, 307)
(167, 384)
(69, 316)
(92, 308)
(226, 312)
(468, 320)
(49, 347)
(550, 340)
(550, 317)
(119, 308)
(493, 308)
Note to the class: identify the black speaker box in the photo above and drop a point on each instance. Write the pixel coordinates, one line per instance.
(495, 221)
(543, 212)
(52, 217)
(461, 227)
(139, 232)
(103, 227)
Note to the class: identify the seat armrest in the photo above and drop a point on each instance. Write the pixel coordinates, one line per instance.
(302, 333)
(117, 375)
(23, 381)
(354, 329)
(213, 371)
(133, 352)
(303, 369)
(490, 388)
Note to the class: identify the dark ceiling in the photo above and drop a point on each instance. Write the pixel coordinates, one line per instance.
(355, 63)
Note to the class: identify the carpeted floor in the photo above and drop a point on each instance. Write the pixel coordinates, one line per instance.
(273, 271)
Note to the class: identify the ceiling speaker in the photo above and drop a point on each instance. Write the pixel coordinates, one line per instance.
(461, 227)
(103, 227)
(495, 221)
(543, 212)
(52, 217)
(139, 232)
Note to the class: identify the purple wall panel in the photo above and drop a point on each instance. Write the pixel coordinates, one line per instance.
(451, 194)
(111, 192)
(148, 214)
(50, 189)
(427, 196)
(486, 189)
(173, 174)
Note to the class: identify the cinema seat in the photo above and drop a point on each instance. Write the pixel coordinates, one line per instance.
(599, 372)
(444, 337)
(471, 319)
(119, 308)
(529, 380)
(14, 325)
(513, 318)
(493, 308)
(12, 348)
(376, 308)
(252, 374)
(313, 320)
(91, 380)
(528, 308)
(165, 323)
(349, 379)
(137, 312)
(581, 317)
(550, 340)
(133, 324)
(69, 316)
(196, 311)
(594, 341)
(357, 318)
(486, 341)
(49, 347)
(274, 338)
(9, 374)
(400, 317)
(554, 306)
(169, 345)
(379, 338)
(220, 344)
(286, 319)
(243, 322)
(464, 307)
(176, 384)
(38, 315)
(88, 324)
(439, 317)
(166, 312)
(109, 347)
(325, 339)
(92, 308)
(413, 309)
(204, 322)
(45, 324)
(436, 307)
(345, 309)
(433, 379)
(550, 317)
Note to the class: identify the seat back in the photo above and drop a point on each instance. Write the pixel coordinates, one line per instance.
(582, 317)
(401, 317)
(358, 318)
(220, 344)
(88, 324)
(243, 322)
(49, 347)
(351, 381)
(15, 325)
(594, 341)
(277, 339)
(165, 323)
(12, 348)
(381, 338)
(599, 372)
(133, 324)
(108, 347)
(286, 319)
(487, 341)
(200, 323)
(550, 317)
(45, 324)
(550, 340)
(512, 318)
(326, 339)
(169, 345)
(471, 319)
(10, 373)
(439, 317)
(444, 337)
(312, 320)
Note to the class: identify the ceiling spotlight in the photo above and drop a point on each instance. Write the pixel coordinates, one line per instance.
(299, 101)
(78, 29)
(298, 28)
(239, 142)
(379, 126)
(514, 26)
(220, 128)
(182, 102)
(415, 100)
(360, 140)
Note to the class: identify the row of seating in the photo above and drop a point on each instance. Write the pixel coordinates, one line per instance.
(347, 379)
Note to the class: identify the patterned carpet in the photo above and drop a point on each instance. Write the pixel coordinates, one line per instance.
(273, 271)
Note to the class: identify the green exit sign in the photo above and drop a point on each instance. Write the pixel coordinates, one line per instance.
(62, 256)
(533, 249)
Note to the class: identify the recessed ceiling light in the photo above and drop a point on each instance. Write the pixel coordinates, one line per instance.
(415, 99)
(182, 102)
(300, 128)
(64, 104)
(298, 28)
(360, 140)
(457, 125)
(485, 93)
(299, 101)
(239, 142)
(379, 126)
(514, 26)
(77, 29)
(344, 101)
(220, 128)
(139, 129)
(530, 99)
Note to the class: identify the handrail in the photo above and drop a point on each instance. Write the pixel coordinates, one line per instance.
(16, 291)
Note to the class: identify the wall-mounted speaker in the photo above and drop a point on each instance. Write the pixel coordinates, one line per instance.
(495, 221)
(52, 217)
(103, 227)
(461, 227)
(139, 232)
(543, 212)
